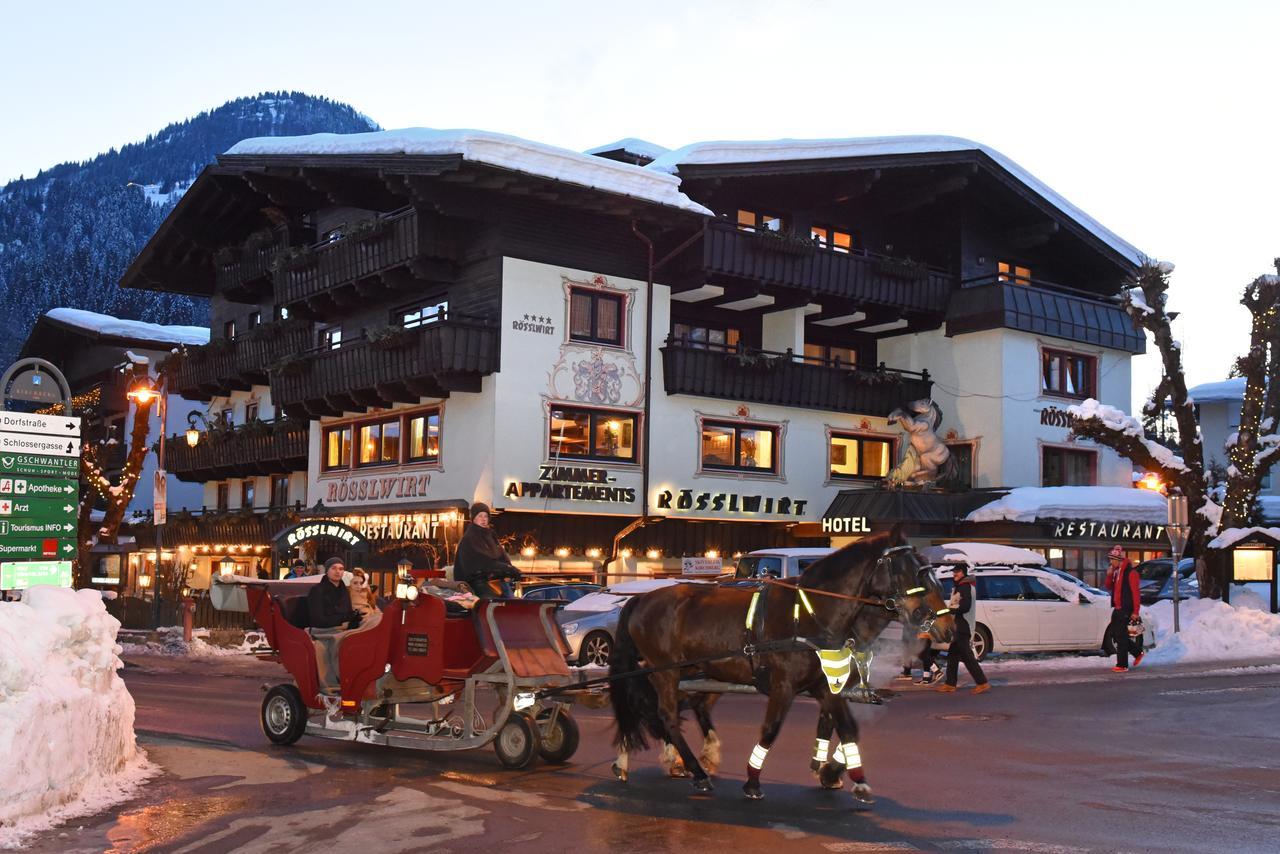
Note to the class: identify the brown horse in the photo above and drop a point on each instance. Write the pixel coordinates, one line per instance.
(852, 594)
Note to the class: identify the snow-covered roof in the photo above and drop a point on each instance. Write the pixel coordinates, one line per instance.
(135, 330)
(1101, 503)
(1227, 390)
(491, 149)
(981, 554)
(747, 151)
(1231, 536)
(631, 145)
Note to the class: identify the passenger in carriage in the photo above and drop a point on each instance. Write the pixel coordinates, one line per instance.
(482, 562)
(363, 600)
(330, 616)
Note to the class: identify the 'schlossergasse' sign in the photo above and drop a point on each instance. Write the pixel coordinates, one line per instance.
(572, 483)
(730, 502)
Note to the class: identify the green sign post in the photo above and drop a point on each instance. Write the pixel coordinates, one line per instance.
(29, 573)
(38, 465)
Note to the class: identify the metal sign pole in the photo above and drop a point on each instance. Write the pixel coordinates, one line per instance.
(1177, 527)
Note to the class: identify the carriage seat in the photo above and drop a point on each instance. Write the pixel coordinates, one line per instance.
(295, 611)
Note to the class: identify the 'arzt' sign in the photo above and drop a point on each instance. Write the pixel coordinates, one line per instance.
(846, 525)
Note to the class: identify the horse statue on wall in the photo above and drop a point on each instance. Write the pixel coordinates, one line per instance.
(927, 459)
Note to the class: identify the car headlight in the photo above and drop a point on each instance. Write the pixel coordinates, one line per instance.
(569, 628)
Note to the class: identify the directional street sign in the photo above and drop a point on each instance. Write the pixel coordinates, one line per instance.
(19, 487)
(29, 443)
(45, 548)
(36, 528)
(37, 465)
(44, 509)
(20, 576)
(41, 425)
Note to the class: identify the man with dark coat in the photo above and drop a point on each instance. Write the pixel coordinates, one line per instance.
(482, 559)
(329, 615)
(961, 648)
(1122, 584)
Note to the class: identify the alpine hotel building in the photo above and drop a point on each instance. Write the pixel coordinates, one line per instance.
(710, 338)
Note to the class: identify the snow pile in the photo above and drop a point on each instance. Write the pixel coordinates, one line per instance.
(1138, 300)
(1117, 421)
(1110, 504)
(136, 330)
(1215, 631)
(66, 719)
(491, 149)
(631, 145)
(171, 644)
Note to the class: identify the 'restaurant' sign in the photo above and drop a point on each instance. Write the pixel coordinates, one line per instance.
(730, 502)
(1095, 530)
(572, 483)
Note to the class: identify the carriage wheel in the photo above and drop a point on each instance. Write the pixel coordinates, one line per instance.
(518, 742)
(560, 739)
(284, 717)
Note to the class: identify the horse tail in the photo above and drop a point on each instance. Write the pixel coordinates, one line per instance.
(634, 700)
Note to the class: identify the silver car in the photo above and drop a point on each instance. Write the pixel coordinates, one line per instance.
(591, 622)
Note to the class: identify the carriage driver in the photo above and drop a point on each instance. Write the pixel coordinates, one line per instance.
(330, 614)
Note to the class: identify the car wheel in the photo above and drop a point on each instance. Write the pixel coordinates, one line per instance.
(284, 717)
(981, 641)
(559, 741)
(518, 742)
(596, 649)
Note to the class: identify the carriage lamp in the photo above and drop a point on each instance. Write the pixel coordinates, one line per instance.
(227, 567)
(404, 566)
(523, 701)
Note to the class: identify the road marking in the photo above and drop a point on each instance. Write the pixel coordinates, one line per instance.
(1010, 845)
(869, 846)
(1231, 690)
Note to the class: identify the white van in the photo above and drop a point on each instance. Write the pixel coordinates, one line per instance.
(778, 563)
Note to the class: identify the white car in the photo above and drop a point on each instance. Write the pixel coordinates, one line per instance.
(1024, 605)
(778, 563)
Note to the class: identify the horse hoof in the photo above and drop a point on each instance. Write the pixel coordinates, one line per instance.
(752, 790)
(678, 772)
(702, 784)
(829, 776)
(862, 794)
(814, 767)
(619, 773)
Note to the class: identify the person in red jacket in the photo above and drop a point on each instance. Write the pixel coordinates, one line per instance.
(1122, 582)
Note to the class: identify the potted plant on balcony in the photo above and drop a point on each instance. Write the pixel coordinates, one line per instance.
(366, 228)
(755, 360)
(292, 258)
(902, 268)
(787, 242)
(292, 365)
(390, 337)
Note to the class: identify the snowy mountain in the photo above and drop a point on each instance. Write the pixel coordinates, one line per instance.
(67, 234)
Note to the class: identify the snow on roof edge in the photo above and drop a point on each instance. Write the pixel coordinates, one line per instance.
(754, 151)
(1223, 390)
(492, 149)
(1094, 503)
(139, 330)
(631, 145)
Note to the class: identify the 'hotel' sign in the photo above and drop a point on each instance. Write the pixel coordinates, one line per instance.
(846, 525)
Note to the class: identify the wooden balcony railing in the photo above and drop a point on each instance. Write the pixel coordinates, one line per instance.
(246, 270)
(1043, 308)
(261, 448)
(236, 364)
(398, 366)
(788, 379)
(792, 262)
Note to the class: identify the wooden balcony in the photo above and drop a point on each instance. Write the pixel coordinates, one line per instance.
(787, 379)
(400, 366)
(1043, 308)
(392, 252)
(791, 262)
(226, 365)
(243, 273)
(262, 448)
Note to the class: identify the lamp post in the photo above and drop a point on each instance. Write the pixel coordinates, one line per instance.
(193, 432)
(1177, 526)
(142, 394)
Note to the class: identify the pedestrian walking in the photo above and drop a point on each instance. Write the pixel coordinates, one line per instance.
(1122, 583)
(917, 648)
(961, 646)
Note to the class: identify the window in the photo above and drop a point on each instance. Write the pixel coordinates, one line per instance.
(594, 433)
(229, 330)
(224, 496)
(830, 354)
(857, 456)
(225, 418)
(424, 437)
(741, 447)
(962, 453)
(751, 220)
(1007, 271)
(835, 239)
(595, 316)
(1006, 588)
(1067, 374)
(280, 490)
(380, 443)
(753, 566)
(331, 337)
(420, 315)
(337, 448)
(255, 319)
(282, 313)
(706, 337)
(1068, 467)
(251, 411)
(1036, 591)
(246, 492)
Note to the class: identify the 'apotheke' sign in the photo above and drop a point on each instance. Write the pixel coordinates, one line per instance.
(1095, 530)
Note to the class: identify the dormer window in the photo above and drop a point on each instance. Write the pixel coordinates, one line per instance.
(752, 220)
(1007, 271)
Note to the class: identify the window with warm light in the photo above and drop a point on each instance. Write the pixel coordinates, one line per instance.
(1067, 374)
(749, 221)
(595, 316)
(379, 443)
(424, 437)
(741, 447)
(592, 433)
(836, 239)
(854, 456)
(831, 354)
(1007, 271)
(337, 448)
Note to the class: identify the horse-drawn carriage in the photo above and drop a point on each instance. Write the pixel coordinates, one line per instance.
(423, 678)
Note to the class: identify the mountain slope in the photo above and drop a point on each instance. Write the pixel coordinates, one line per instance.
(67, 234)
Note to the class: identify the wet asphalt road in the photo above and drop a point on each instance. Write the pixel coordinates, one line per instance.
(1137, 763)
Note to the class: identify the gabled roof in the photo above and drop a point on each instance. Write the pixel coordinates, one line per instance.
(877, 148)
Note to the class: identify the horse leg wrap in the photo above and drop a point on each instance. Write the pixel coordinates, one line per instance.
(848, 754)
(821, 747)
(751, 788)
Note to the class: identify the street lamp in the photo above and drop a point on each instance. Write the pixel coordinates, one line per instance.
(193, 432)
(142, 394)
(1177, 527)
(227, 567)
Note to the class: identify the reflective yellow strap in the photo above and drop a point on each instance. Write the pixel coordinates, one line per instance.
(751, 610)
(915, 590)
(805, 600)
(941, 611)
(848, 751)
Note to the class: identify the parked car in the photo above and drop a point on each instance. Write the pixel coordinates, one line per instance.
(1188, 588)
(778, 563)
(1024, 605)
(1157, 574)
(558, 592)
(590, 622)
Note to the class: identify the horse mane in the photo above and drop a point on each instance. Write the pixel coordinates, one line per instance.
(839, 562)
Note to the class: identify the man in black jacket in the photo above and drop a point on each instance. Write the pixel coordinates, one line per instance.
(961, 648)
(329, 614)
(481, 558)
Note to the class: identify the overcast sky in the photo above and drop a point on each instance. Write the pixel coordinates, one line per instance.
(1158, 118)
